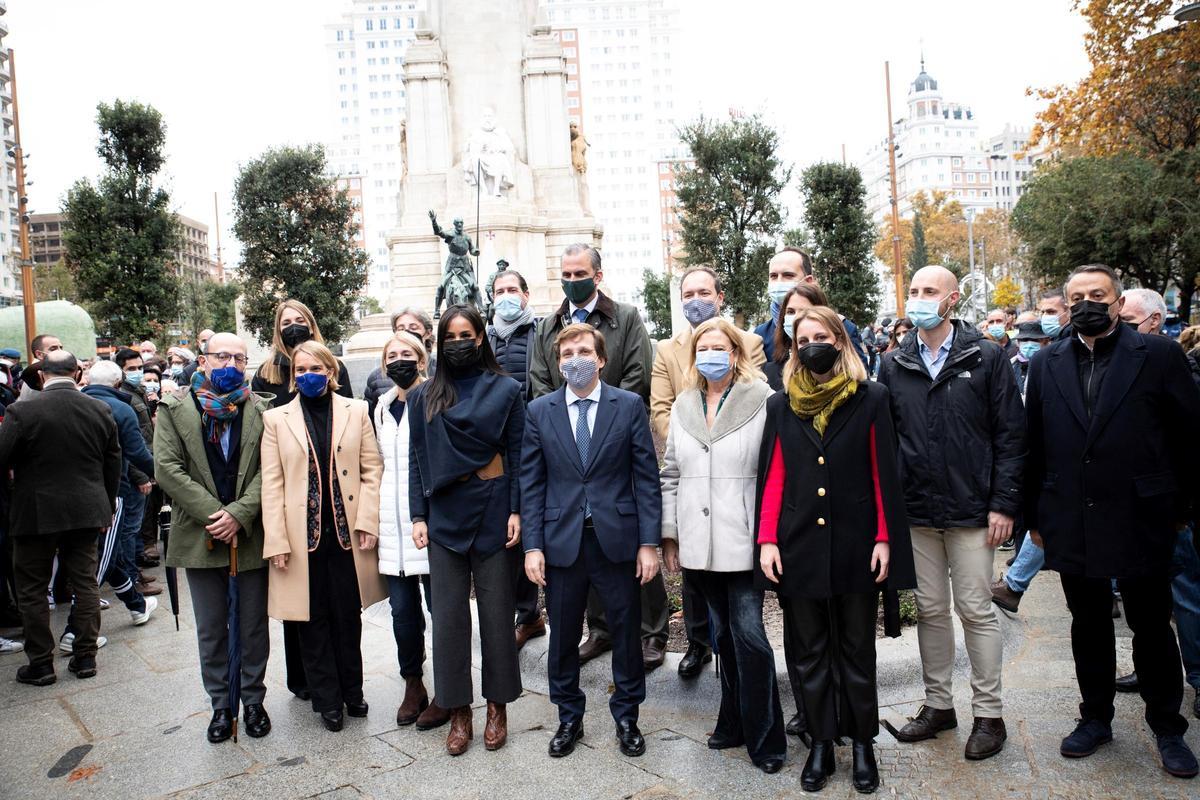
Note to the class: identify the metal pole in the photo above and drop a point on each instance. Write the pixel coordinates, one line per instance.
(897, 266)
(971, 259)
(478, 194)
(217, 230)
(29, 296)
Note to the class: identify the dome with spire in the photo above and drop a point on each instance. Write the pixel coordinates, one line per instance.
(923, 81)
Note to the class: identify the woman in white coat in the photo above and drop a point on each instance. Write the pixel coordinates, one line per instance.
(405, 567)
(708, 489)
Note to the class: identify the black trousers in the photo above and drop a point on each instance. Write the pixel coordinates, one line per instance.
(695, 611)
(567, 592)
(331, 640)
(833, 642)
(1148, 603)
(33, 561)
(653, 608)
(525, 591)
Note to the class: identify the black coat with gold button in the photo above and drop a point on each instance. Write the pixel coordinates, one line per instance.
(829, 517)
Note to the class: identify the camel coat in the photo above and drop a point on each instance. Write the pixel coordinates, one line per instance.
(285, 500)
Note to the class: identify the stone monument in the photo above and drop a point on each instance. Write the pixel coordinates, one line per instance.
(488, 140)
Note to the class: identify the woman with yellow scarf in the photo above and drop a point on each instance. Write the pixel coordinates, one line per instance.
(832, 533)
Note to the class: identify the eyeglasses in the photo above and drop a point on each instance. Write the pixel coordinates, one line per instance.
(222, 358)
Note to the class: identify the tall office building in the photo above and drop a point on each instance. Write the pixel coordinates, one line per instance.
(623, 85)
(365, 57)
(10, 243)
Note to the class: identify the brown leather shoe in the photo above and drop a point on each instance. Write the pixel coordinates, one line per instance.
(654, 653)
(461, 734)
(593, 647)
(433, 717)
(416, 700)
(148, 589)
(495, 733)
(144, 578)
(530, 630)
(927, 724)
(1005, 597)
(987, 738)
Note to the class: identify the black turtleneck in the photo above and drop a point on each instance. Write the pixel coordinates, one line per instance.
(318, 418)
(465, 380)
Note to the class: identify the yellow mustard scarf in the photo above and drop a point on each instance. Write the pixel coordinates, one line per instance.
(818, 401)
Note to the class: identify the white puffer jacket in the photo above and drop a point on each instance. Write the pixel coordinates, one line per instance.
(397, 553)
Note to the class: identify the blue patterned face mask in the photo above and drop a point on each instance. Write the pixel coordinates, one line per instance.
(699, 310)
(578, 371)
(312, 384)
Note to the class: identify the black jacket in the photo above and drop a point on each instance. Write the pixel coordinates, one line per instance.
(829, 520)
(1106, 490)
(962, 436)
(63, 450)
(515, 354)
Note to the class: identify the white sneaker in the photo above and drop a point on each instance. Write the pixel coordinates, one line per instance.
(67, 643)
(144, 617)
(9, 646)
(104, 604)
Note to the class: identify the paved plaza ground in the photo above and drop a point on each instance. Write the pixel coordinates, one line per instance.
(137, 731)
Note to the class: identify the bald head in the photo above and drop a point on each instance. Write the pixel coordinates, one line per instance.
(203, 338)
(59, 364)
(934, 276)
(229, 344)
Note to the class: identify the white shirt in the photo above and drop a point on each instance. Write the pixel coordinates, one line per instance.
(589, 308)
(573, 407)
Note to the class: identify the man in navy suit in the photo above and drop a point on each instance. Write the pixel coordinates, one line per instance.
(591, 510)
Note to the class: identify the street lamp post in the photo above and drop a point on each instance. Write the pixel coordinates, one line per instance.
(897, 266)
(970, 215)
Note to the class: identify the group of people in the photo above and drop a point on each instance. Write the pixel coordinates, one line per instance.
(509, 459)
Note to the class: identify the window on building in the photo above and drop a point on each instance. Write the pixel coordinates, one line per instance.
(370, 24)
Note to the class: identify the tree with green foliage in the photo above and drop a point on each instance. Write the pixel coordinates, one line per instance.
(298, 240)
(919, 257)
(369, 305)
(55, 282)
(208, 304)
(120, 235)
(730, 203)
(835, 210)
(656, 297)
(800, 237)
(1134, 213)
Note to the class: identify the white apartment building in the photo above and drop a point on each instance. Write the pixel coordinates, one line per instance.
(1012, 166)
(364, 51)
(624, 87)
(10, 242)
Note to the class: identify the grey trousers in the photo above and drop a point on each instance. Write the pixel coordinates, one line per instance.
(210, 604)
(451, 575)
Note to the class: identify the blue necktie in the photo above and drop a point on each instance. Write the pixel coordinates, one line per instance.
(583, 440)
(581, 315)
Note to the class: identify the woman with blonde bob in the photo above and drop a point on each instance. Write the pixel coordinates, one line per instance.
(708, 486)
(321, 473)
(406, 568)
(828, 446)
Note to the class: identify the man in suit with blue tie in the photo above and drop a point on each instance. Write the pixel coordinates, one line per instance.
(591, 512)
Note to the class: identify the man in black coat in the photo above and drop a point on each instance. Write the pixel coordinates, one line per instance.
(1109, 480)
(63, 451)
(961, 428)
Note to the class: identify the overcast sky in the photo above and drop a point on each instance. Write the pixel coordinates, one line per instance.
(234, 78)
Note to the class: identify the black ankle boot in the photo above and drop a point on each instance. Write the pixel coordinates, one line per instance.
(819, 766)
(866, 772)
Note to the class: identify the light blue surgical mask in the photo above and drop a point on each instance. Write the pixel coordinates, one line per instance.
(777, 290)
(134, 378)
(713, 364)
(1050, 325)
(789, 325)
(1028, 349)
(508, 307)
(924, 313)
(996, 331)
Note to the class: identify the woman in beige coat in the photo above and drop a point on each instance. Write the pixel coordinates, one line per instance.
(320, 499)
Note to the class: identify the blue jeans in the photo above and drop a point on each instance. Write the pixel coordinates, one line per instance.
(1185, 589)
(408, 621)
(1029, 563)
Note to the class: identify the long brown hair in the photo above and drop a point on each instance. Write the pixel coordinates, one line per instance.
(848, 361)
(270, 369)
(783, 342)
(440, 393)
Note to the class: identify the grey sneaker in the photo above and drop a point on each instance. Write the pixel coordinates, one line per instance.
(10, 646)
(67, 643)
(141, 618)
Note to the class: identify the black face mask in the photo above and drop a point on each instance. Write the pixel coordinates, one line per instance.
(295, 334)
(461, 353)
(403, 372)
(818, 358)
(1090, 317)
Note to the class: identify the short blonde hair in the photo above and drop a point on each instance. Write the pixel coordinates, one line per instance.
(324, 357)
(408, 340)
(743, 368)
(848, 362)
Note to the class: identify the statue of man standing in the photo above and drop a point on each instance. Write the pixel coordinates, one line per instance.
(491, 149)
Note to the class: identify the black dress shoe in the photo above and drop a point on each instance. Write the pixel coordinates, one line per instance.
(258, 724)
(333, 720)
(719, 741)
(1196, 704)
(927, 724)
(693, 661)
(1128, 683)
(796, 725)
(771, 765)
(358, 709)
(1177, 757)
(819, 766)
(632, 743)
(866, 771)
(83, 666)
(563, 742)
(41, 675)
(221, 727)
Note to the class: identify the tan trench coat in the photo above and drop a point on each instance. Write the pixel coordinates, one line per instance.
(285, 500)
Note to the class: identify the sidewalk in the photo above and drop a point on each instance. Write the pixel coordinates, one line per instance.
(137, 730)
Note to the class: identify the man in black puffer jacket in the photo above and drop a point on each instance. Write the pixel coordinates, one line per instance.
(961, 430)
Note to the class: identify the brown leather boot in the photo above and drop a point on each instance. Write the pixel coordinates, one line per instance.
(927, 724)
(416, 700)
(495, 734)
(987, 738)
(433, 717)
(461, 733)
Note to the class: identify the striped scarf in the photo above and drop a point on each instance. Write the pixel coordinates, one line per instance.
(219, 409)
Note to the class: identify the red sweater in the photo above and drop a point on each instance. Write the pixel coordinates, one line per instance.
(772, 502)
